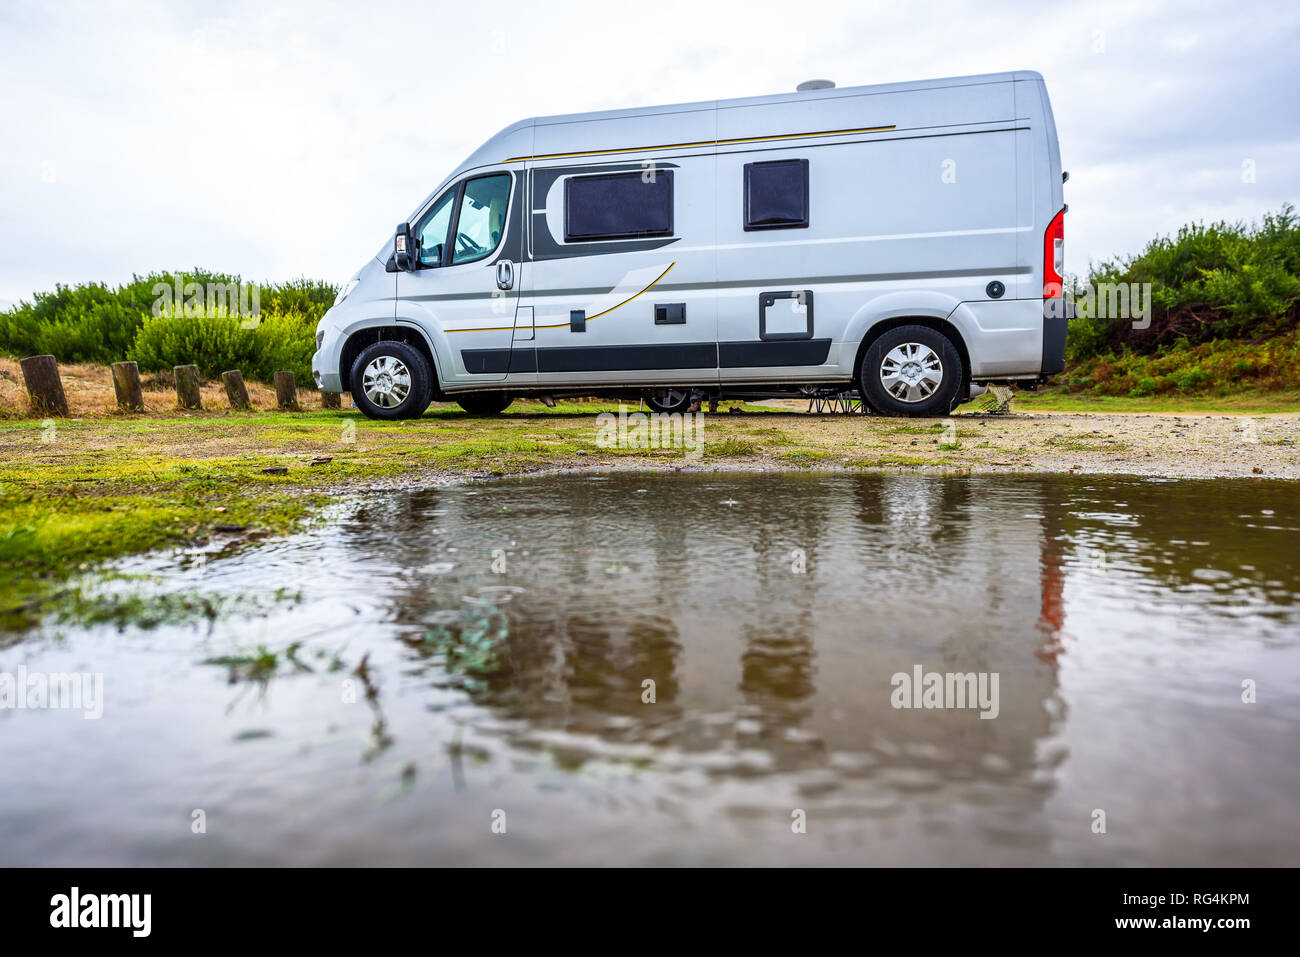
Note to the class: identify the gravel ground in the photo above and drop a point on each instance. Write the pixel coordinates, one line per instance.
(1142, 444)
(1154, 444)
(1211, 446)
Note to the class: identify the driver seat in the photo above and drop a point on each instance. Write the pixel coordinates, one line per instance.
(496, 218)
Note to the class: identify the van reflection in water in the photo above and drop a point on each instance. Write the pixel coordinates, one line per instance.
(766, 622)
(695, 668)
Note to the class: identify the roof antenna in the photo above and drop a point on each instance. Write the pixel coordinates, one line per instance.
(808, 85)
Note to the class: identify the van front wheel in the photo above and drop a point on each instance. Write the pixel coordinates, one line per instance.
(912, 371)
(485, 403)
(391, 380)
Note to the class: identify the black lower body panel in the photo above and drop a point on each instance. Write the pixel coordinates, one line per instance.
(686, 355)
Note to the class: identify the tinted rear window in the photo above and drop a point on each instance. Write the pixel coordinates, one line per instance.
(776, 194)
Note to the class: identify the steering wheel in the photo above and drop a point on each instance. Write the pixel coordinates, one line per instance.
(467, 245)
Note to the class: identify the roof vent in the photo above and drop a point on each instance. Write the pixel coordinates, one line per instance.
(808, 85)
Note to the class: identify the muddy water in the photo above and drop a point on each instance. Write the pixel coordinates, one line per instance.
(445, 665)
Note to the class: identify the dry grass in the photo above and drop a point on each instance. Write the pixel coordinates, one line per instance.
(89, 389)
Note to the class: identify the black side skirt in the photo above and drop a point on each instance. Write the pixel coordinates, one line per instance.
(689, 355)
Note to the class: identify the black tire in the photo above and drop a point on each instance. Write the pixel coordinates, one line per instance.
(668, 400)
(932, 352)
(485, 403)
(414, 387)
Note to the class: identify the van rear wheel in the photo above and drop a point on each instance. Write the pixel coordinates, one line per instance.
(485, 403)
(391, 380)
(912, 371)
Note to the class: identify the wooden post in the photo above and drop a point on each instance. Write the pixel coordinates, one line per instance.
(236, 391)
(44, 387)
(187, 387)
(329, 400)
(126, 383)
(286, 395)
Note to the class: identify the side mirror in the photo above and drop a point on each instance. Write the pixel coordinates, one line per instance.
(404, 248)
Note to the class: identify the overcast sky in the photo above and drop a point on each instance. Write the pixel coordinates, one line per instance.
(277, 139)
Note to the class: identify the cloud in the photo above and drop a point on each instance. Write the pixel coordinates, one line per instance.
(276, 140)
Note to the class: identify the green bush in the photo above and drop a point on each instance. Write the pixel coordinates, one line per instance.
(95, 323)
(1221, 367)
(280, 341)
(310, 297)
(86, 323)
(1191, 380)
(1234, 280)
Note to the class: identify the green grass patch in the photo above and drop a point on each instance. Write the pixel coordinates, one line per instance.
(804, 456)
(729, 448)
(1051, 400)
(258, 664)
(769, 436)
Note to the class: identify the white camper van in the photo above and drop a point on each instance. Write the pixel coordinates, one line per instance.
(903, 240)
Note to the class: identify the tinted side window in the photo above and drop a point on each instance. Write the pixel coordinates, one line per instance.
(776, 194)
(618, 206)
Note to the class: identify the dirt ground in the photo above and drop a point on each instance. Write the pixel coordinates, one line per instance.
(775, 435)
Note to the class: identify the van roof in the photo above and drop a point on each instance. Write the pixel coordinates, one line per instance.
(828, 94)
(517, 139)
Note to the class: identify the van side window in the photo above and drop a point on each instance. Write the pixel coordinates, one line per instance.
(776, 194)
(482, 218)
(431, 235)
(618, 206)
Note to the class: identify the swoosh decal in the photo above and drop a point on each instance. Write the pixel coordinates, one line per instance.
(565, 325)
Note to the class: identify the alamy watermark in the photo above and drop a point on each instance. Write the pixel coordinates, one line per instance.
(125, 911)
(195, 300)
(39, 690)
(652, 430)
(1111, 300)
(932, 689)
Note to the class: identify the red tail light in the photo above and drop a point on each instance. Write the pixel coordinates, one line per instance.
(1054, 257)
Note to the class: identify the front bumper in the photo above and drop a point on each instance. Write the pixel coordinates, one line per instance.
(326, 381)
(325, 363)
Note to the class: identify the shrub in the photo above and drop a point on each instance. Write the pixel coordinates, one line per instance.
(76, 324)
(1221, 281)
(1221, 367)
(1190, 380)
(308, 297)
(279, 341)
(95, 323)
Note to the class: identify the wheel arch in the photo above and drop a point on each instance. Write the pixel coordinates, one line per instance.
(940, 325)
(358, 339)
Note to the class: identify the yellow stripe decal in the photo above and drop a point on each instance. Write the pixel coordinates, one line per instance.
(565, 325)
(680, 146)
